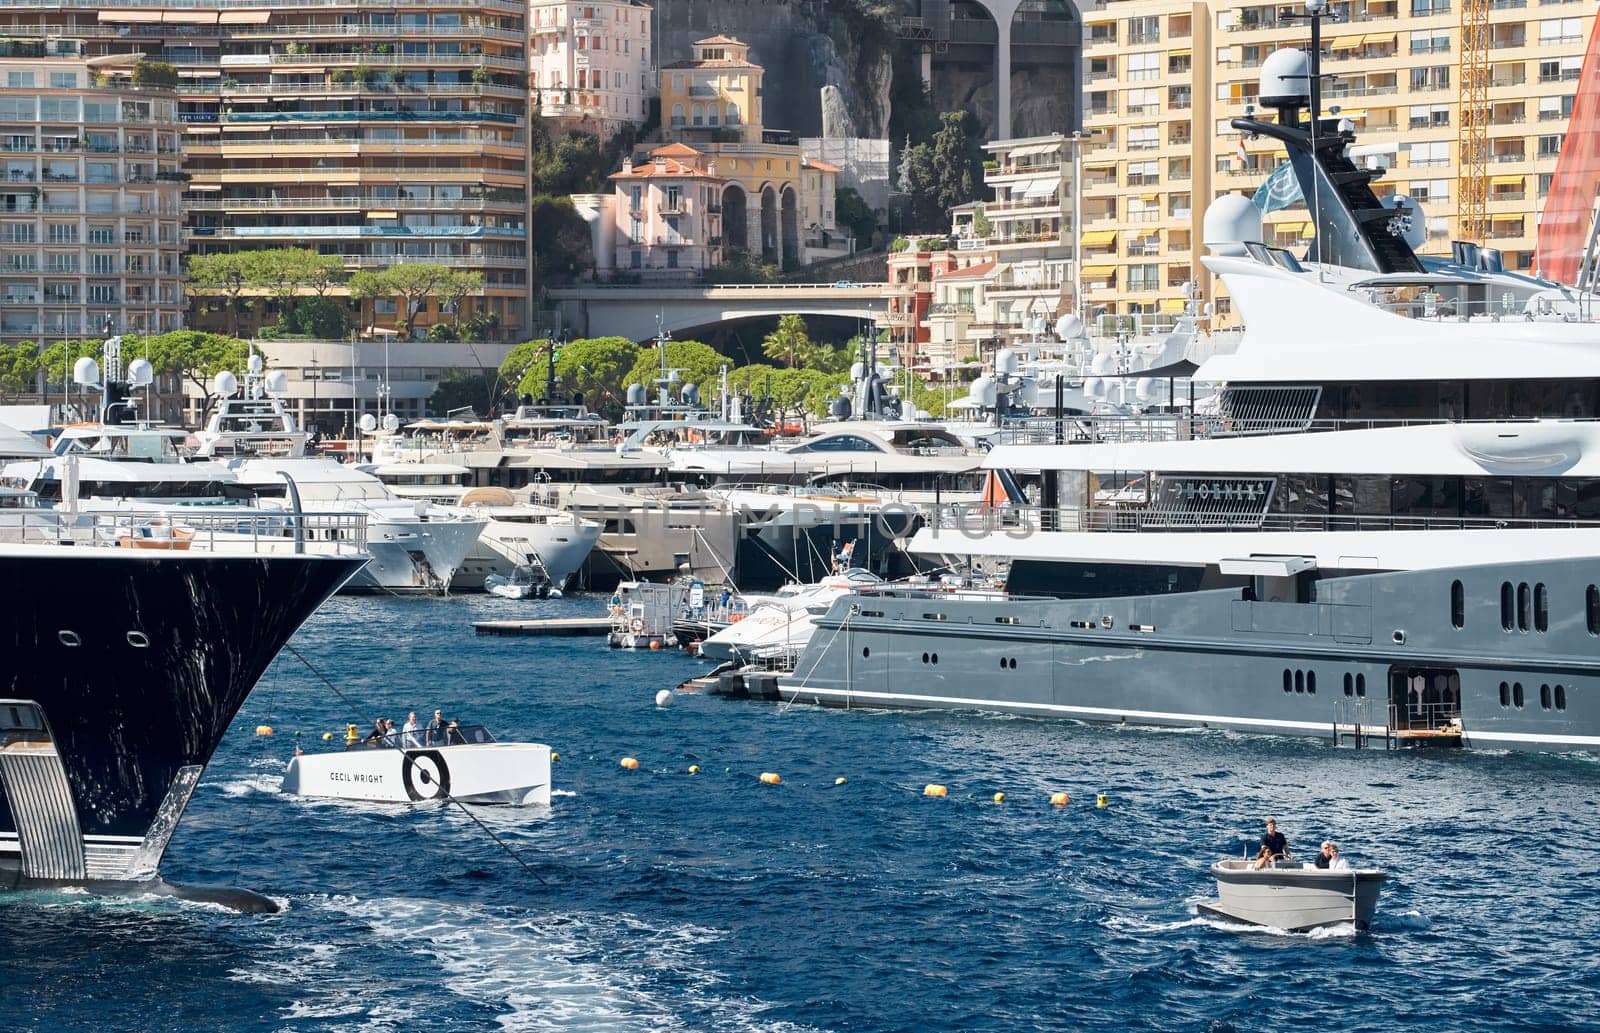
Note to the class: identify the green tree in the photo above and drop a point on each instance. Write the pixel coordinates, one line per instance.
(461, 389)
(19, 368)
(853, 213)
(562, 245)
(789, 343)
(698, 363)
(223, 274)
(284, 273)
(828, 359)
(410, 284)
(595, 366)
(193, 355)
(981, 226)
(58, 359)
(958, 159)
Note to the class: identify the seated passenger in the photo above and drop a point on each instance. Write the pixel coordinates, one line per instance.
(1335, 861)
(1325, 855)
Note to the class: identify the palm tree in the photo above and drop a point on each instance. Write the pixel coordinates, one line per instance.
(789, 344)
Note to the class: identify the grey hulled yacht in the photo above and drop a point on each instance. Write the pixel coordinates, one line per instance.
(1387, 528)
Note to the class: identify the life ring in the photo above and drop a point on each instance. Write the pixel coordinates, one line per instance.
(636, 625)
(431, 772)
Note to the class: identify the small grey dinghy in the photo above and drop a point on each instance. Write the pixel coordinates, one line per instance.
(1294, 896)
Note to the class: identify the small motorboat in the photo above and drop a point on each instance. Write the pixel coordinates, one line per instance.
(1294, 896)
(525, 582)
(408, 768)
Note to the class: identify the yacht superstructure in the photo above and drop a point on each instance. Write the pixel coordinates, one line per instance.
(1390, 524)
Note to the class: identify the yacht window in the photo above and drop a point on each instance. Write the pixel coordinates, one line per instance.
(1505, 694)
(1523, 599)
(1349, 685)
(1541, 607)
(1361, 685)
(1506, 606)
(1300, 682)
(1561, 697)
(1516, 695)
(1591, 605)
(1458, 605)
(1311, 682)
(1288, 682)
(1544, 696)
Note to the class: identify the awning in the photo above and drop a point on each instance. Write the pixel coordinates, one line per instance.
(1289, 227)
(383, 215)
(1034, 150)
(1179, 53)
(1099, 271)
(190, 17)
(1506, 181)
(1099, 238)
(1380, 38)
(1173, 305)
(1346, 42)
(1505, 218)
(130, 16)
(245, 17)
(1042, 188)
(193, 130)
(1308, 231)
(234, 127)
(1352, 114)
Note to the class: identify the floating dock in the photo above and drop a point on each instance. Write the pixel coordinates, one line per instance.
(570, 626)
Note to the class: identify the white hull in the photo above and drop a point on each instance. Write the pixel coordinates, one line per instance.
(561, 546)
(414, 555)
(505, 772)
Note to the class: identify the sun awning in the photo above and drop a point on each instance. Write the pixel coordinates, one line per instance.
(1352, 114)
(130, 16)
(190, 17)
(1099, 238)
(1180, 53)
(1042, 188)
(1173, 305)
(1033, 150)
(245, 17)
(1346, 42)
(195, 130)
(234, 127)
(1378, 39)
(1289, 227)
(383, 215)
(1099, 270)
(1505, 218)
(1308, 231)
(1506, 181)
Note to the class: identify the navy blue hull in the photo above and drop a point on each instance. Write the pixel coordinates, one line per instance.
(140, 662)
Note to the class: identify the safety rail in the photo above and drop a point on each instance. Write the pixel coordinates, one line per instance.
(978, 520)
(264, 531)
(1151, 427)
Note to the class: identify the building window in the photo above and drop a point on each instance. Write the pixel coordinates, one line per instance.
(636, 260)
(672, 260)
(1458, 605)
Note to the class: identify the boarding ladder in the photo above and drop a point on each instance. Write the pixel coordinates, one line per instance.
(1353, 725)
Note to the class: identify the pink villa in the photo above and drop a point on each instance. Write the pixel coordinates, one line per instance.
(668, 214)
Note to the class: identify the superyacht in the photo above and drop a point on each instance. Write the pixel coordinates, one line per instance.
(1386, 530)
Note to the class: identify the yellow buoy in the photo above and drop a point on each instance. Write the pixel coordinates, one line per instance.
(554, 756)
(350, 733)
(1060, 799)
(999, 797)
(934, 790)
(629, 763)
(326, 736)
(263, 729)
(1100, 800)
(839, 781)
(694, 769)
(770, 778)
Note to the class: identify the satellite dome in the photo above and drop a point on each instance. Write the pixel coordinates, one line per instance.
(86, 371)
(1145, 389)
(858, 370)
(1415, 229)
(1232, 220)
(1286, 79)
(635, 394)
(840, 408)
(225, 383)
(691, 394)
(369, 422)
(983, 390)
(1094, 387)
(1103, 361)
(1005, 361)
(255, 364)
(391, 423)
(276, 382)
(141, 373)
(1069, 327)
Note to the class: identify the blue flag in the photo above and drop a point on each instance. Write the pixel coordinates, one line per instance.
(1280, 190)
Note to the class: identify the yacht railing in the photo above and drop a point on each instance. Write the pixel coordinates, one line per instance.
(343, 534)
(1152, 427)
(977, 521)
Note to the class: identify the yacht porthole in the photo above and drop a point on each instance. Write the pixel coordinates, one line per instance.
(1399, 638)
(70, 639)
(138, 640)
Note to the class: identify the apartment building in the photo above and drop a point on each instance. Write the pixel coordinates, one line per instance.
(667, 214)
(1163, 79)
(590, 63)
(908, 296)
(380, 132)
(90, 204)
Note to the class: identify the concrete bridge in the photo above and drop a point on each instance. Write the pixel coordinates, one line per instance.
(633, 311)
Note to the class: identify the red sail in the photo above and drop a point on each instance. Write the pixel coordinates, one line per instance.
(1569, 210)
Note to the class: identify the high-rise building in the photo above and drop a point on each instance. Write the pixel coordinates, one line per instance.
(590, 63)
(379, 132)
(1163, 79)
(90, 214)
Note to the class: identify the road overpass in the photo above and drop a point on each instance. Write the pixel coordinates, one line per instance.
(635, 312)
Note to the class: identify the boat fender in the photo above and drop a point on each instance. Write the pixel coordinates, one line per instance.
(935, 790)
(1059, 799)
(770, 778)
(630, 763)
(425, 775)
(664, 698)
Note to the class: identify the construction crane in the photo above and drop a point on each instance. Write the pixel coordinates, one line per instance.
(1472, 196)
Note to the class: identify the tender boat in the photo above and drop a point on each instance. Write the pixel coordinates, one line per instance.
(406, 767)
(524, 582)
(1294, 896)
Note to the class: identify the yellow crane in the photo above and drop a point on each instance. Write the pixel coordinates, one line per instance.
(1472, 195)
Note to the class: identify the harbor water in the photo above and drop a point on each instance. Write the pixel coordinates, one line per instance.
(712, 901)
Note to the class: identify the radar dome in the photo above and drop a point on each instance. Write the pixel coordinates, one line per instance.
(840, 408)
(1103, 361)
(391, 423)
(1069, 327)
(691, 394)
(225, 383)
(369, 422)
(1231, 221)
(1286, 79)
(1005, 361)
(276, 382)
(141, 373)
(86, 371)
(635, 394)
(1145, 389)
(1094, 387)
(255, 365)
(983, 390)
(858, 370)
(1415, 227)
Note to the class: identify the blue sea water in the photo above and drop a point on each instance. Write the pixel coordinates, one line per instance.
(713, 902)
